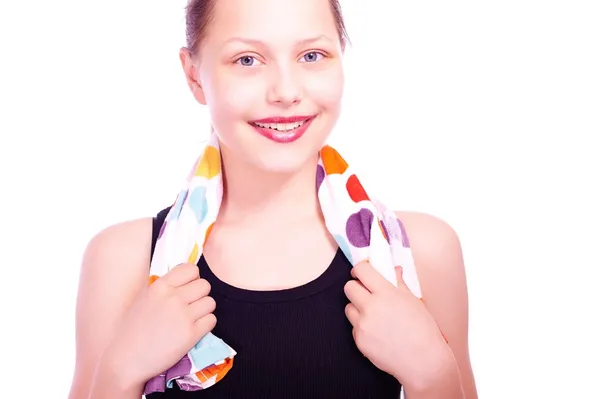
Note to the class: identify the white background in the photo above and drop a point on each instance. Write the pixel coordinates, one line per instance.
(486, 114)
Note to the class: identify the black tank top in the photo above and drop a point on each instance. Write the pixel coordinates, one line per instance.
(291, 343)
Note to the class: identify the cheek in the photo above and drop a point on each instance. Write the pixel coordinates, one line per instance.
(230, 96)
(326, 89)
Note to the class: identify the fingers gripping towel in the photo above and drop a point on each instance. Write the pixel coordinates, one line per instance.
(364, 229)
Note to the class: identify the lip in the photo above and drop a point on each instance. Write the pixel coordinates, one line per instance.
(283, 137)
(284, 119)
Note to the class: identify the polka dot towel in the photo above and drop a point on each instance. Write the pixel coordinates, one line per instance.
(363, 228)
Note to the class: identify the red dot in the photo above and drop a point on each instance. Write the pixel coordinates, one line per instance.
(356, 190)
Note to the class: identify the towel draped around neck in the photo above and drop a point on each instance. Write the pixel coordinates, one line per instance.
(364, 229)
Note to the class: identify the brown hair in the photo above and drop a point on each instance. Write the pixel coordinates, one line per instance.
(199, 13)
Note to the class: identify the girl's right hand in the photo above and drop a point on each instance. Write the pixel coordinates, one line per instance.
(165, 320)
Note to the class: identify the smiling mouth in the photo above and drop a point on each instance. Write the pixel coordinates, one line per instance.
(281, 127)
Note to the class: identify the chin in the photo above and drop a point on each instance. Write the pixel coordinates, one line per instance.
(284, 162)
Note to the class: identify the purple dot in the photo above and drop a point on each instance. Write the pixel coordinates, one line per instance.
(159, 383)
(405, 242)
(358, 228)
(156, 384)
(162, 230)
(186, 386)
(181, 369)
(320, 176)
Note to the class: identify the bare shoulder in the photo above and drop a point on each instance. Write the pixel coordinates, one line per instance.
(438, 257)
(121, 242)
(114, 267)
(117, 256)
(433, 241)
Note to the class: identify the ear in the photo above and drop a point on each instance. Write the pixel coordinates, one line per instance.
(191, 75)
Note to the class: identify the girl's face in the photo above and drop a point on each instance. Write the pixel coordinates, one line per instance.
(270, 72)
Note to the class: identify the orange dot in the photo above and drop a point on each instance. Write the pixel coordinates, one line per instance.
(208, 232)
(225, 367)
(210, 163)
(219, 371)
(333, 161)
(152, 279)
(356, 190)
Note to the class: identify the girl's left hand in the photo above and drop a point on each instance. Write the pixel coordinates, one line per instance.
(393, 328)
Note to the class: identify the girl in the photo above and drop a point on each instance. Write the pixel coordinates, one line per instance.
(295, 294)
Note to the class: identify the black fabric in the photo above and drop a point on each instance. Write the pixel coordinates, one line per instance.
(293, 343)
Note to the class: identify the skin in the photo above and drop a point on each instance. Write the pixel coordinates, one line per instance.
(270, 194)
(282, 80)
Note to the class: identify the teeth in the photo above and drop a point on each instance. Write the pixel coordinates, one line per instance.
(282, 127)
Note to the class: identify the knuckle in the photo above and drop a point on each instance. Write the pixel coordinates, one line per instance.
(207, 323)
(190, 270)
(358, 337)
(360, 341)
(212, 304)
(205, 286)
(370, 309)
(211, 319)
(361, 266)
(360, 325)
(194, 270)
(349, 312)
(349, 286)
(178, 268)
(363, 325)
(185, 268)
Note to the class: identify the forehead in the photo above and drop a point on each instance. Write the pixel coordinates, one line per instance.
(272, 21)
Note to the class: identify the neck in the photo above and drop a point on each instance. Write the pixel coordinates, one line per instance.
(252, 194)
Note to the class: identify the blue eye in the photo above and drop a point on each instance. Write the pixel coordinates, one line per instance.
(247, 61)
(313, 56)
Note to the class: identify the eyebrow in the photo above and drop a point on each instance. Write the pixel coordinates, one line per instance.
(259, 43)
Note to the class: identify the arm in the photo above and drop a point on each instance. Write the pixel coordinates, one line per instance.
(438, 257)
(115, 266)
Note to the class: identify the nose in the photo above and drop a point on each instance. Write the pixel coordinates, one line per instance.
(285, 88)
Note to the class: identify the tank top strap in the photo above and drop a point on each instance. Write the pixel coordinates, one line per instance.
(157, 222)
